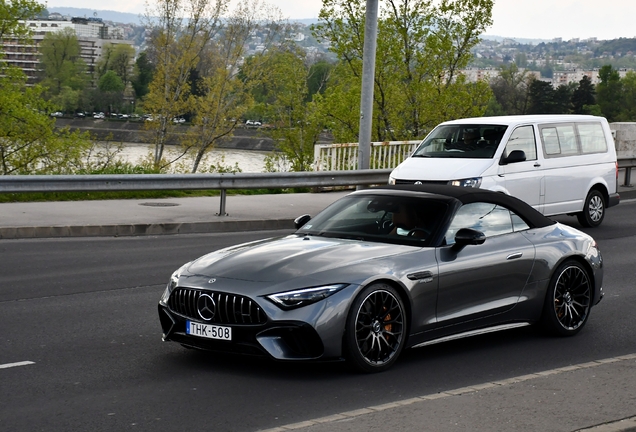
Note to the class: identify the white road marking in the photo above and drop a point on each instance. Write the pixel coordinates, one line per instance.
(10, 365)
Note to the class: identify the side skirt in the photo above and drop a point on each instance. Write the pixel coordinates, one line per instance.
(473, 333)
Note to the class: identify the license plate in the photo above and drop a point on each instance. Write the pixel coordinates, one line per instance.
(208, 331)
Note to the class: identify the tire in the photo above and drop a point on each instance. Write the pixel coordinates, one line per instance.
(568, 300)
(593, 210)
(375, 331)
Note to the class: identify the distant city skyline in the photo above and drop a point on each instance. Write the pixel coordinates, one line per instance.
(529, 19)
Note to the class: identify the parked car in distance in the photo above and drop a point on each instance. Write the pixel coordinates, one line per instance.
(253, 123)
(99, 115)
(79, 115)
(385, 269)
(559, 164)
(57, 114)
(178, 120)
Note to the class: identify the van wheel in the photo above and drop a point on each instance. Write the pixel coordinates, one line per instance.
(593, 210)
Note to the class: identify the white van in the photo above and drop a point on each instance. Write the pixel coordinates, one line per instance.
(559, 164)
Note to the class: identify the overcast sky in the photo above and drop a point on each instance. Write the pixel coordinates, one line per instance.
(535, 19)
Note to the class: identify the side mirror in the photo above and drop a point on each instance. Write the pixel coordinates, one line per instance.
(468, 236)
(514, 157)
(301, 220)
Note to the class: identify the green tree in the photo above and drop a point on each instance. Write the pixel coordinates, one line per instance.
(142, 75)
(318, 76)
(111, 82)
(609, 93)
(61, 61)
(297, 121)
(563, 98)
(111, 87)
(29, 142)
(510, 90)
(421, 48)
(219, 94)
(118, 58)
(182, 29)
(628, 109)
(13, 13)
(545, 99)
(583, 96)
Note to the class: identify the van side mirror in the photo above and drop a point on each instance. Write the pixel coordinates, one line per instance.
(514, 157)
(301, 220)
(468, 236)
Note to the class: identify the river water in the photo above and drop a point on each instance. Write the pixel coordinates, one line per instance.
(248, 161)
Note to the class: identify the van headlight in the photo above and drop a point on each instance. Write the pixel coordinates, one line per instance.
(391, 180)
(474, 182)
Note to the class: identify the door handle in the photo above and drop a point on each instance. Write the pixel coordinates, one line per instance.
(514, 256)
(424, 276)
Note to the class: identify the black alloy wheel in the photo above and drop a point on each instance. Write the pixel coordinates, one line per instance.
(593, 210)
(376, 329)
(568, 300)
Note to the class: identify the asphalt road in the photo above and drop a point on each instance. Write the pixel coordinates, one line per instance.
(84, 311)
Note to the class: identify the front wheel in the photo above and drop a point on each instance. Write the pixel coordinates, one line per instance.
(376, 329)
(593, 210)
(568, 300)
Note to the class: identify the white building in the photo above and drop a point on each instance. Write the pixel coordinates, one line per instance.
(92, 35)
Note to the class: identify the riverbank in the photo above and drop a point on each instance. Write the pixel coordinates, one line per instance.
(249, 161)
(132, 131)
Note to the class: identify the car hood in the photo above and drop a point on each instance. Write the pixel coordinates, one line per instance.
(419, 168)
(282, 259)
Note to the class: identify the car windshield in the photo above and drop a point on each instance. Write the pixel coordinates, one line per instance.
(466, 141)
(380, 218)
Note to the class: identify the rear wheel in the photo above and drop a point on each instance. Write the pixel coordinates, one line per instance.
(376, 329)
(593, 210)
(568, 300)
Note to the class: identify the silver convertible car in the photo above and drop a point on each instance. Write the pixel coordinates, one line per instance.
(385, 269)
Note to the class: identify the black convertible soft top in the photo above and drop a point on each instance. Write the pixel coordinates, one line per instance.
(468, 195)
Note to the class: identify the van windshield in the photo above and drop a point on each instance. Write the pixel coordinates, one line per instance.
(465, 141)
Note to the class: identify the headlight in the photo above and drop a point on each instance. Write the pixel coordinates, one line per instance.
(172, 283)
(391, 180)
(303, 297)
(474, 182)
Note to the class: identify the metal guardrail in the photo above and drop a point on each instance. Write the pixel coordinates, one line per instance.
(222, 182)
(627, 165)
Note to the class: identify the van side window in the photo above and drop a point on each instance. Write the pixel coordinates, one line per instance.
(592, 138)
(559, 140)
(491, 219)
(522, 138)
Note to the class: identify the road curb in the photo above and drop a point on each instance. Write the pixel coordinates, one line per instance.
(127, 230)
(333, 421)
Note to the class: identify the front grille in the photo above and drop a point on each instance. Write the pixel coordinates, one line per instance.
(230, 308)
(426, 182)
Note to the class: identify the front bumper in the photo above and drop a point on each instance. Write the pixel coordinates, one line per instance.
(280, 340)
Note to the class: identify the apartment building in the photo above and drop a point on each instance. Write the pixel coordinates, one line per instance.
(92, 34)
(565, 77)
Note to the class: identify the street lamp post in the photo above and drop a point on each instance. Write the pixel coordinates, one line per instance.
(368, 74)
